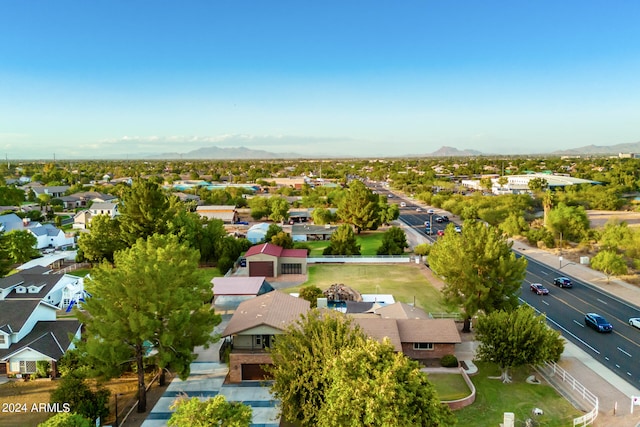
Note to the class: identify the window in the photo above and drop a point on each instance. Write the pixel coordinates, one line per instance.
(27, 366)
(422, 346)
(2, 339)
(291, 269)
(259, 340)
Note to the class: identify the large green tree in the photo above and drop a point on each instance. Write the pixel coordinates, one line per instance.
(610, 263)
(215, 411)
(359, 207)
(516, 338)
(279, 209)
(74, 391)
(152, 298)
(373, 385)
(103, 240)
(394, 242)
(480, 271)
(301, 358)
(343, 242)
(144, 210)
(20, 245)
(569, 223)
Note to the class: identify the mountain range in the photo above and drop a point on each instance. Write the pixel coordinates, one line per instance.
(222, 153)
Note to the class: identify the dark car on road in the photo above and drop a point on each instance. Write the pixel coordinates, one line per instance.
(597, 322)
(539, 289)
(563, 282)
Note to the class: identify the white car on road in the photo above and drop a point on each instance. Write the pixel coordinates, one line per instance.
(635, 321)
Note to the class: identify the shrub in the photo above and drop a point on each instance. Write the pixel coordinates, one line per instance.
(449, 361)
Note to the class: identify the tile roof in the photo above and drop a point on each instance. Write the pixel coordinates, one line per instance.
(238, 285)
(275, 309)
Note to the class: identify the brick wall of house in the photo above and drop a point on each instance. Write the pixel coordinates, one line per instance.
(236, 360)
(438, 351)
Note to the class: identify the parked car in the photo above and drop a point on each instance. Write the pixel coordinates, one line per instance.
(427, 224)
(597, 322)
(440, 232)
(458, 229)
(635, 322)
(428, 231)
(439, 220)
(403, 205)
(445, 218)
(418, 209)
(563, 282)
(539, 289)
(431, 211)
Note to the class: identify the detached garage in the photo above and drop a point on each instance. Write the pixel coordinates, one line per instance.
(271, 261)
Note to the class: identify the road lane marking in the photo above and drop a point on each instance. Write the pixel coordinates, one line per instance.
(544, 272)
(599, 300)
(544, 302)
(628, 354)
(629, 373)
(578, 323)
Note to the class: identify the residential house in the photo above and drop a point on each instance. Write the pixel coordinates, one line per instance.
(104, 208)
(227, 213)
(258, 321)
(253, 327)
(85, 198)
(230, 291)
(271, 261)
(55, 191)
(29, 329)
(308, 232)
(10, 222)
(48, 236)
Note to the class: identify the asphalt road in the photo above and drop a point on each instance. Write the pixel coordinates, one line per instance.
(565, 308)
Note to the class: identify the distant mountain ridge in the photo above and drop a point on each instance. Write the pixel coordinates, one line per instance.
(629, 147)
(239, 153)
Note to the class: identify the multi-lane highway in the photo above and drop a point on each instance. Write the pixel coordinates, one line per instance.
(565, 308)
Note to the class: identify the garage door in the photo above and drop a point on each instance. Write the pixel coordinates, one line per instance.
(253, 372)
(261, 268)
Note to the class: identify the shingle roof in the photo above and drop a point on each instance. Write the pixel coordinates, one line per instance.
(275, 309)
(428, 330)
(50, 338)
(400, 310)
(47, 281)
(237, 285)
(14, 313)
(379, 329)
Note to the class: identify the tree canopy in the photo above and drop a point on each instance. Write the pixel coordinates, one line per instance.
(480, 271)
(144, 211)
(103, 240)
(20, 245)
(394, 242)
(359, 207)
(152, 298)
(373, 385)
(215, 411)
(517, 338)
(300, 359)
(343, 242)
(610, 263)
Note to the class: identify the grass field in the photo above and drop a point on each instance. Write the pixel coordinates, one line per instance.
(494, 398)
(450, 386)
(369, 242)
(405, 282)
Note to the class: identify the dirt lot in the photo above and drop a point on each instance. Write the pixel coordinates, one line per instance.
(599, 218)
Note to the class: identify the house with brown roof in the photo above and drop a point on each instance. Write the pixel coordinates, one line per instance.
(257, 321)
(272, 261)
(252, 329)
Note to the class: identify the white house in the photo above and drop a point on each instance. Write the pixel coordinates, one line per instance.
(48, 236)
(104, 208)
(29, 329)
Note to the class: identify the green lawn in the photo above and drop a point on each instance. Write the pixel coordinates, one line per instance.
(81, 272)
(404, 282)
(493, 398)
(450, 386)
(369, 242)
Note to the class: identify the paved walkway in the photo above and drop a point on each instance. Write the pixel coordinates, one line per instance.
(207, 380)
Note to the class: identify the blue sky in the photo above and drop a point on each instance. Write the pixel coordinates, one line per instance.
(101, 78)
